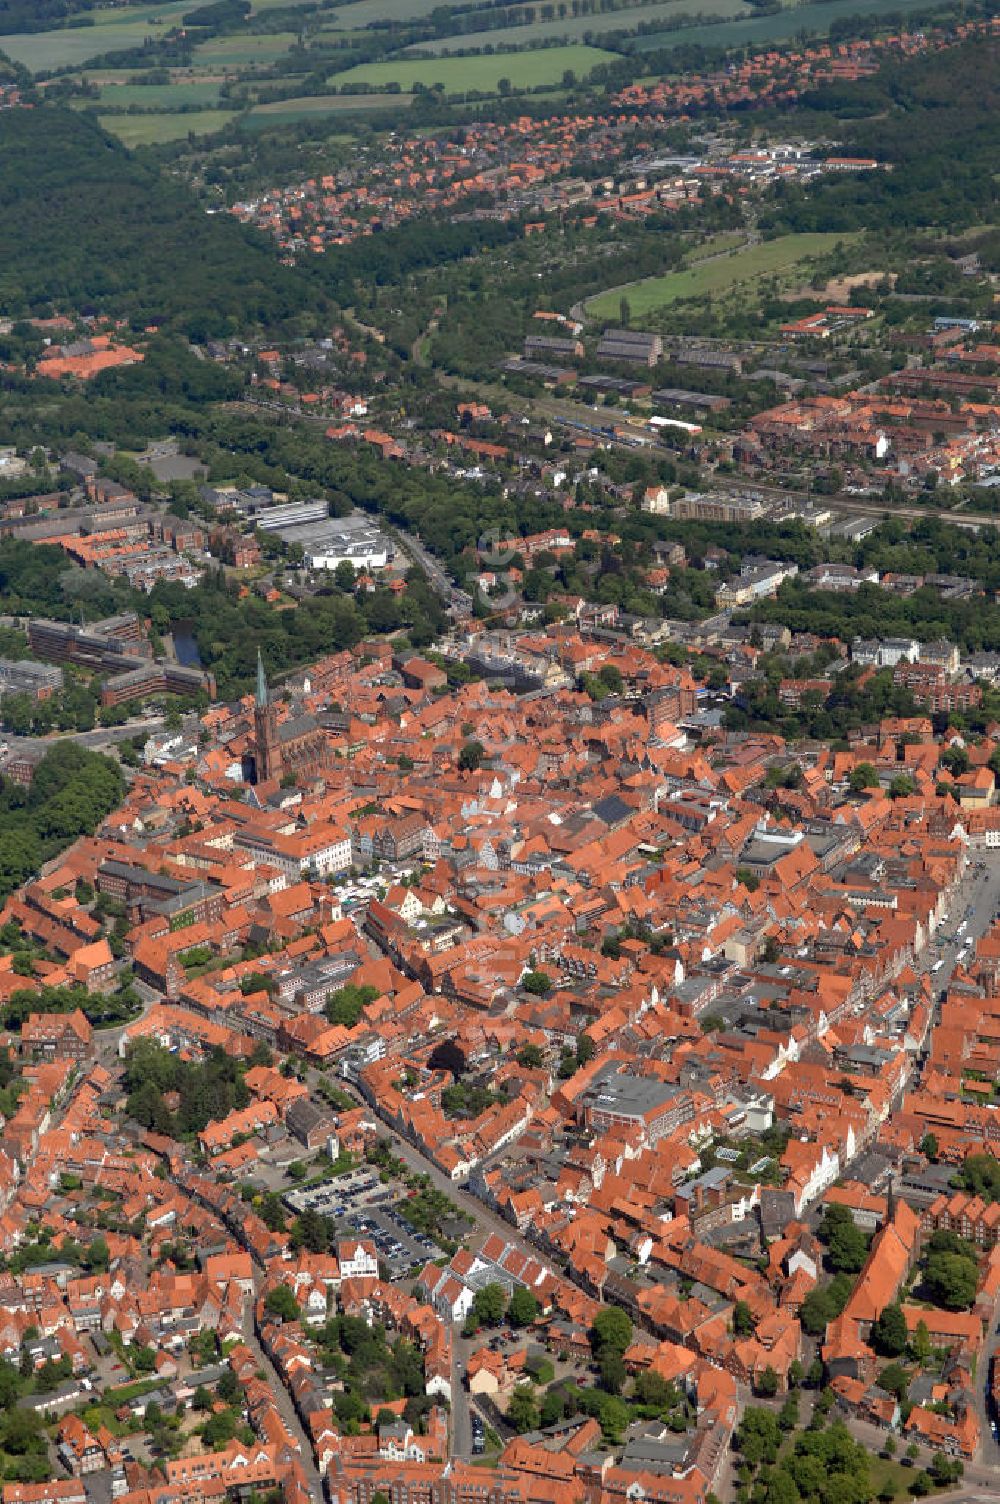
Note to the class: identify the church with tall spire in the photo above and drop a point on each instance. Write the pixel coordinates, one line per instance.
(297, 745)
(267, 743)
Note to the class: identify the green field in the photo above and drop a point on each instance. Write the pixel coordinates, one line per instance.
(155, 96)
(714, 276)
(482, 74)
(354, 14)
(575, 27)
(152, 129)
(811, 19)
(244, 51)
(284, 111)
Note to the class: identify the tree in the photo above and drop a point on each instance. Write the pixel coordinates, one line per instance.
(522, 1309)
(201, 1399)
(759, 1435)
(530, 1056)
(489, 1305)
(847, 1246)
(894, 1379)
(980, 1176)
(941, 1470)
(929, 1146)
(611, 1332)
(767, 1383)
(742, 1319)
(612, 1371)
(863, 777)
(522, 1412)
(470, 758)
(921, 1342)
(281, 1302)
(889, 1333)
(653, 1389)
(951, 1280)
(624, 312)
(553, 1408)
(538, 982)
(98, 1254)
(788, 1415)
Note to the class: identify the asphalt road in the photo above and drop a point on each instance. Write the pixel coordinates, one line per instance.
(101, 736)
(282, 1398)
(979, 892)
(461, 1415)
(437, 576)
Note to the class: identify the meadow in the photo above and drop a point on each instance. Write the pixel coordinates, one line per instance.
(155, 96)
(812, 19)
(459, 75)
(308, 107)
(114, 30)
(576, 27)
(45, 51)
(713, 276)
(244, 51)
(356, 14)
(154, 129)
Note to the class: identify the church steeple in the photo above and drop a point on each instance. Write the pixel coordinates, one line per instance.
(267, 743)
(261, 696)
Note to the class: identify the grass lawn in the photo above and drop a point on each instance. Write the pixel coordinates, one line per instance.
(151, 130)
(281, 111)
(574, 27)
(725, 240)
(461, 74)
(713, 276)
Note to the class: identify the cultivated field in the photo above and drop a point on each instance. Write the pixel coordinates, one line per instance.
(814, 19)
(575, 27)
(713, 276)
(286, 111)
(45, 51)
(356, 14)
(244, 51)
(155, 96)
(153, 129)
(459, 75)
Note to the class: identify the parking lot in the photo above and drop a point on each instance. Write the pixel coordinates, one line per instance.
(400, 1246)
(343, 1196)
(360, 1205)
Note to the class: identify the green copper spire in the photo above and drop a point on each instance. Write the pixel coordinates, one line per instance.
(261, 683)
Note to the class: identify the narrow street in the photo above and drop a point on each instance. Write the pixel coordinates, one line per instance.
(461, 1415)
(282, 1398)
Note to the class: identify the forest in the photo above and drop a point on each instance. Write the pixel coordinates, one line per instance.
(934, 122)
(84, 225)
(72, 791)
(207, 1091)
